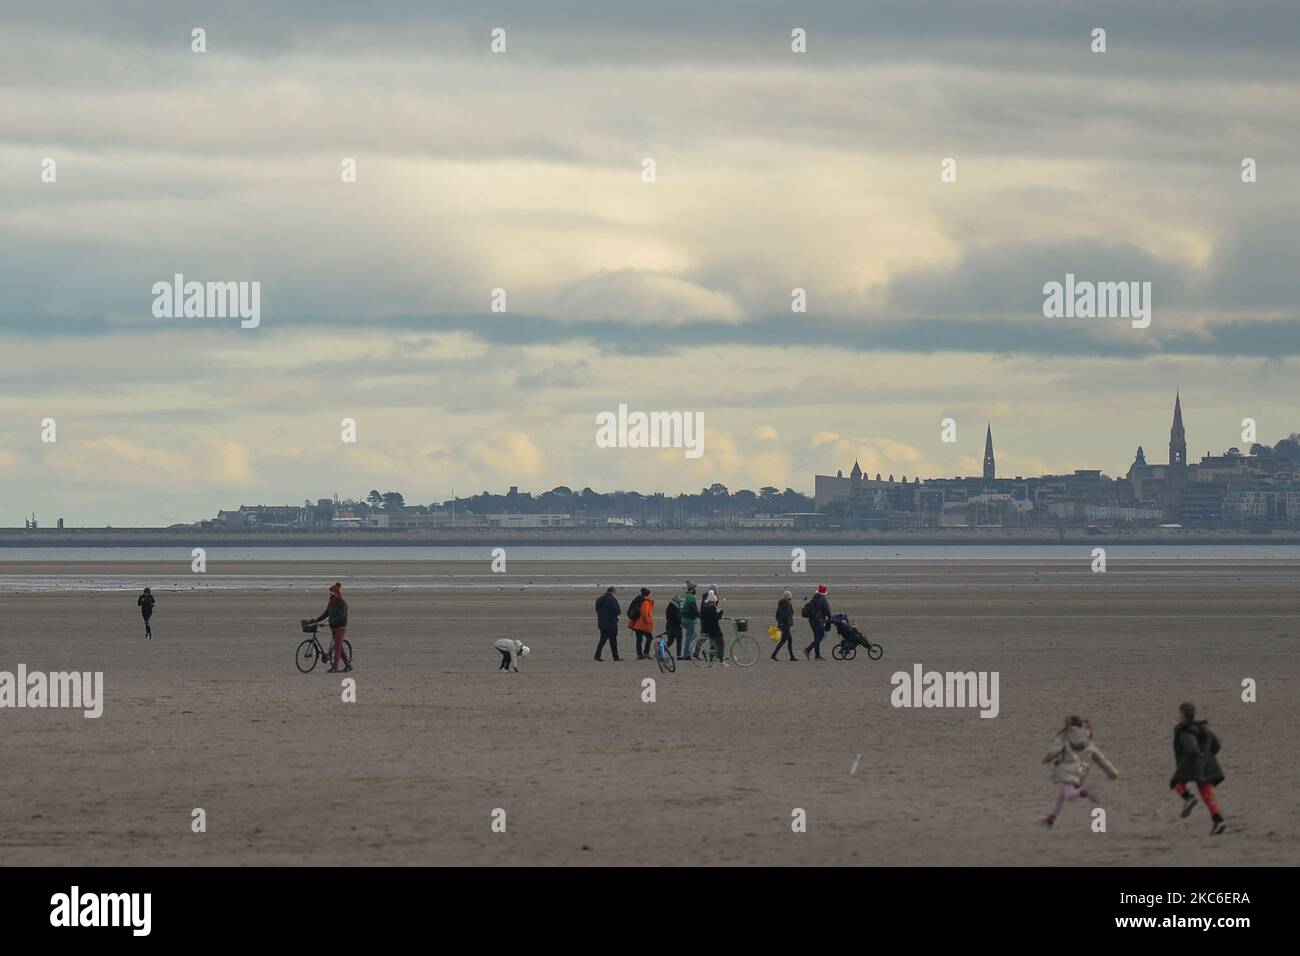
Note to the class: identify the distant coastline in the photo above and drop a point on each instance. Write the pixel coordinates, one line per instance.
(18, 538)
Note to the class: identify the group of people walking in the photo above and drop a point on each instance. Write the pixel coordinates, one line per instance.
(684, 615)
(687, 611)
(1196, 750)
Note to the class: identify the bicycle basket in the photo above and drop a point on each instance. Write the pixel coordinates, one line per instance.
(741, 625)
(309, 627)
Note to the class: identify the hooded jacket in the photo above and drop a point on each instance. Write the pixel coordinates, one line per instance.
(1195, 747)
(1072, 756)
(607, 612)
(512, 647)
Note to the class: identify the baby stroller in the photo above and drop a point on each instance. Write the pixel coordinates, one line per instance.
(851, 639)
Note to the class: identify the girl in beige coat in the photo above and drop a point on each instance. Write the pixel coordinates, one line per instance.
(1072, 756)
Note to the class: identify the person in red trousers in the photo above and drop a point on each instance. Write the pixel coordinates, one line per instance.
(337, 613)
(1196, 749)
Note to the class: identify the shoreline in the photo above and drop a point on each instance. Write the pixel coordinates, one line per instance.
(151, 537)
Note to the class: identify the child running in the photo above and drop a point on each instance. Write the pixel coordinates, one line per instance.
(1195, 749)
(1071, 757)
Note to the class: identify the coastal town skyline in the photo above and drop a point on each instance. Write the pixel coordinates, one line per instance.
(1257, 484)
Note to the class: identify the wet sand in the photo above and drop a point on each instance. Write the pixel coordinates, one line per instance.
(213, 714)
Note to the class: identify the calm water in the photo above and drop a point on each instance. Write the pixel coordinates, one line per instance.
(693, 553)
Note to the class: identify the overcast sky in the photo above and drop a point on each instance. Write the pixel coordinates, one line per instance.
(522, 171)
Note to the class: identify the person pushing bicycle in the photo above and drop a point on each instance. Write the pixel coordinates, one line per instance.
(337, 613)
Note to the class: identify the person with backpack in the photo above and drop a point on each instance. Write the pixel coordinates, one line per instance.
(145, 603)
(1072, 755)
(690, 615)
(818, 612)
(673, 624)
(641, 621)
(1196, 749)
(784, 621)
(607, 615)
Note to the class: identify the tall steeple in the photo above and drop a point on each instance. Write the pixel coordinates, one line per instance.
(856, 473)
(989, 468)
(1178, 437)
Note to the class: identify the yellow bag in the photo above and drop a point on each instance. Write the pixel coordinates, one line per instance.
(775, 632)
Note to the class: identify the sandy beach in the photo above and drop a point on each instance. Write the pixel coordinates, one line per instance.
(214, 714)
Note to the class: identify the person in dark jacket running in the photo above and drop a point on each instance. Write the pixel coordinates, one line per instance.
(1195, 750)
(819, 616)
(785, 620)
(607, 617)
(337, 613)
(146, 602)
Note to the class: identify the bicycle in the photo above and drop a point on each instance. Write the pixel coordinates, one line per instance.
(664, 655)
(310, 651)
(742, 650)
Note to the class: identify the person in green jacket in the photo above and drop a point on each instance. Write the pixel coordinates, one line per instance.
(690, 614)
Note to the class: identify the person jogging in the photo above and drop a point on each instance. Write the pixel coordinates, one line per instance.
(512, 652)
(784, 621)
(1196, 749)
(336, 611)
(818, 613)
(1072, 755)
(145, 603)
(607, 614)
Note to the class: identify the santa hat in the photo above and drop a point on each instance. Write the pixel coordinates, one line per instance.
(821, 589)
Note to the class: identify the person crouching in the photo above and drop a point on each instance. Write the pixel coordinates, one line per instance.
(512, 652)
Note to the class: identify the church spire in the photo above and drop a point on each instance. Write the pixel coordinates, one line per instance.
(1177, 436)
(990, 469)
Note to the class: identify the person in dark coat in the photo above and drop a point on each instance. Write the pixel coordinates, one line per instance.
(145, 603)
(607, 616)
(1196, 749)
(785, 621)
(819, 617)
(711, 625)
(336, 611)
(673, 624)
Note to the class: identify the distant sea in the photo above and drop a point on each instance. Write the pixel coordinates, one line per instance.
(1209, 551)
